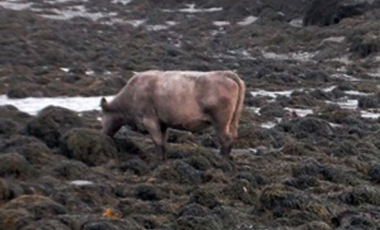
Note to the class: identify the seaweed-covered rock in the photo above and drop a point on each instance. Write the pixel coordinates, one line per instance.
(327, 12)
(8, 126)
(241, 190)
(24, 90)
(135, 166)
(307, 128)
(87, 145)
(307, 168)
(353, 220)
(11, 112)
(46, 224)
(367, 102)
(15, 165)
(194, 209)
(204, 198)
(361, 195)
(147, 192)
(14, 219)
(51, 123)
(198, 222)
(374, 173)
(364, 46)
(71, 170)
(38, 206)
(180, 172)
(302, 182)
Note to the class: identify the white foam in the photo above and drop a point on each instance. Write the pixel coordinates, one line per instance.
(32, 105)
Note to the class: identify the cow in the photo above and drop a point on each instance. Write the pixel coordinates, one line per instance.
(155, 101)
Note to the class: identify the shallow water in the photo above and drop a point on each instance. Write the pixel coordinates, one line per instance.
(33, 105)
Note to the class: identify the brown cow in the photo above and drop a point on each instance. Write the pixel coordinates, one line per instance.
(154, 101)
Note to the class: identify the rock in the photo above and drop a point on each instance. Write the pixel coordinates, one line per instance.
(316, 76)
(14, 219)
(277, 199)
(147, 192)
(197, 222)
(8, 127)
(23, 90)
(100, 225)
(362, 47)
(307, 168)
(71, 170)
(15, 165)
(87, 145)
(5, 190)
(11, 112)
(179, 172)
(51, 123)
(353, 220)
(38, 206)
(307, 128)
(369, 102)
(127, 146)
(315, 225)
(302, 182)
(34, 150)
(230, 217)
(272, 110)
(204, 198)
(252, 137)
(46, 225)
(361, 195)
(240, 190)
(135, 166)
(329, 12)
(199, 162)
(374, 173)
(194, 209)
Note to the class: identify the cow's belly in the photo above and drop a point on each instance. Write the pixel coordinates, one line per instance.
(192, 125)
(185, 118)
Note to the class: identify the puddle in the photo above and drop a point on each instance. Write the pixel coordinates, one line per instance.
(344, 77)
(248, 20)
(272, 94)
(191, 9)
(298, 22)
(298, 56)
(15, 5)
(124, 2)
(76, 11)
(221, 23)
(81, 182)
(33, 105)
(300, 112)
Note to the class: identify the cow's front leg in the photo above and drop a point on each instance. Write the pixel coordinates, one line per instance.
(157, 134)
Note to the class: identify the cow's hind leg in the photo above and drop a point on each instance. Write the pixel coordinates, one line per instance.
(158, 135)
(225, 137)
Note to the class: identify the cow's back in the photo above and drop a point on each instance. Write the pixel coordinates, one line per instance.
(178, 96)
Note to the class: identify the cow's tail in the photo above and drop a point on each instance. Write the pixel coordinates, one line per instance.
(239, 104)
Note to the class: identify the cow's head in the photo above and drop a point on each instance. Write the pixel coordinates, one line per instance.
(112, 119)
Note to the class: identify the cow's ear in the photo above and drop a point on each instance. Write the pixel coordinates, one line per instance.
(104, 104)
